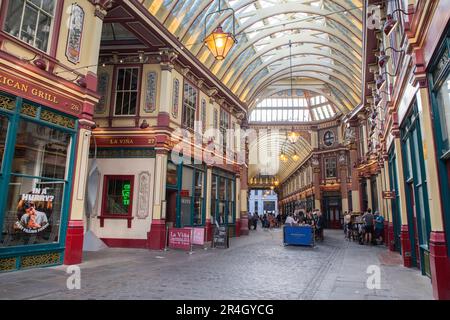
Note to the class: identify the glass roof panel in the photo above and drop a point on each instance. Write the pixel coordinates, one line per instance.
(325, 33)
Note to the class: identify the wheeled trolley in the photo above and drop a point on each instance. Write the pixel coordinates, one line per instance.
(298, 235)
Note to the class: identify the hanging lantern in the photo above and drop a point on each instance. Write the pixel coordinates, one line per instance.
(220, 43)
(293, 136)
(295, 157)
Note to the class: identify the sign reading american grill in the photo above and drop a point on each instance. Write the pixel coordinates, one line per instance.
(29, 90)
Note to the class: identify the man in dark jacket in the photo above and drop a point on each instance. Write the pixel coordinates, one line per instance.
(320, 225)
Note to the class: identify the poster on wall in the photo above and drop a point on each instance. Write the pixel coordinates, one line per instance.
(76, 23)
(34, 210)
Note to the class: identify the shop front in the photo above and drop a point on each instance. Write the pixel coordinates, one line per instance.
(223, 199)
(185, 195)
(37, 147)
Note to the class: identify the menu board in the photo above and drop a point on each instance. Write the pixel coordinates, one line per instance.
(220, 238)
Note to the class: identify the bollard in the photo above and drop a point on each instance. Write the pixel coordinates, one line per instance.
(167, 238)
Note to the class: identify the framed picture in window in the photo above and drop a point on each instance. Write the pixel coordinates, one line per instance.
(76, 24)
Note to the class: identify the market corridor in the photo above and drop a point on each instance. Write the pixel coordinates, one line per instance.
(255, 267)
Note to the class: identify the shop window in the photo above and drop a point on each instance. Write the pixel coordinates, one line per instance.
(330, 168)
(172, 174)
(117, 195)
(40, 151)
(36, 190)
(31, 21)
(189, 106)
(443, 102)
(3, 131)
(224, 124)
(186, 196)
(198, 197)
(126, 94)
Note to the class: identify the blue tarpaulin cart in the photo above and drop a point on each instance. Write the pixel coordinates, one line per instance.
(298, 235)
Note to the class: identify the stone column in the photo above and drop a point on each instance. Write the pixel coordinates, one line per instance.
(75, 230)
(369, 193)
(238, 205)
(343, 176)
(157, 235)
(439, 260)
(165, 90)
(356, 205)
(244, 201)
(390, 225)
(404, 234)
(316, 180)
(208, 227)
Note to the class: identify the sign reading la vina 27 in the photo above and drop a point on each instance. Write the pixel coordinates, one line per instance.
(180, 238)
(36, 93)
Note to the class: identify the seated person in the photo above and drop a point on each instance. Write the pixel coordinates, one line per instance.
(290, 220)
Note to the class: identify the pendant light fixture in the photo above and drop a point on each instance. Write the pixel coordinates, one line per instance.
(220, 42)
(292, 135)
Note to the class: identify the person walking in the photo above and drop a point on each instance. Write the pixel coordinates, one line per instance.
(347, 224)
(320, 224)
(368, 226)
(379, 227)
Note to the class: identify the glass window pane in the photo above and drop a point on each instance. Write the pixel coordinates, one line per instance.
(14, 17)
(33, 212)
(43, 32)
(443, 99)
(40, 151)
(118, 196)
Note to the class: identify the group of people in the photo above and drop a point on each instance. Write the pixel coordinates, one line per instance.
(299, 217)
(268, 220)
(313, 218)
(369, 227)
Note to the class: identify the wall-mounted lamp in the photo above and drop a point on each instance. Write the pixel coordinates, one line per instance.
(384, 58)
(391, 22)
(144, 124)
(40, 63)
(81, 80)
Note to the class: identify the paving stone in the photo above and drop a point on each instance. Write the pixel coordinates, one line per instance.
(255, 267)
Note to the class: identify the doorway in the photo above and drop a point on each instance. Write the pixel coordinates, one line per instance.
(171, 207)
(332, 212)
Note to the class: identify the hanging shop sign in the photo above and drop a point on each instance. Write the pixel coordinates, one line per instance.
(73, 49)
(30, 218)
(125, 141)
(389, 195)
(180, 238)
(31, 91)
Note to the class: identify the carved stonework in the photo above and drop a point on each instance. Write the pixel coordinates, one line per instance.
(144, 195)
(150, 95)
(176, 97)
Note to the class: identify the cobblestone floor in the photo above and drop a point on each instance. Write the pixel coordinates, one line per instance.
(255, 267)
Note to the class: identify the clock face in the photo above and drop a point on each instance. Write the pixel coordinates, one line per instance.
(328, 138)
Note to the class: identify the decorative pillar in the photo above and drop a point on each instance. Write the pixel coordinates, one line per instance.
(439, 260)
(208, 227)
(344, 177)
(244, 201)
(238, 206)
(316, 179)
(356, 205)
(369, 193)
(157, 236)
(75, 230)
(390, 215)
(165, 90)
(404, 233)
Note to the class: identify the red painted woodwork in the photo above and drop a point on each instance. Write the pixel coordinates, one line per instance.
(125, 243)
(156, 238)
(406, 246)
(244, 225)
(440, 266)
(74, 242)
(163, 119)
(391, 236)
(238, 228)
(208, 230)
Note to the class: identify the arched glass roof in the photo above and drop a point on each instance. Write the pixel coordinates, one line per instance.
(301, 107)
(326, 38)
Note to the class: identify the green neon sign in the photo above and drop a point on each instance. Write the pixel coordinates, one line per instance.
(126, 190)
